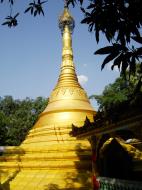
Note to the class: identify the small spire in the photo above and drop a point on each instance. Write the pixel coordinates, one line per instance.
(66, 19)
(65, 3)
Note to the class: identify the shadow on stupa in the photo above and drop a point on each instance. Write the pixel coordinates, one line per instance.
(7, 186)
(51, 186)
(10, 156)
(79, 180)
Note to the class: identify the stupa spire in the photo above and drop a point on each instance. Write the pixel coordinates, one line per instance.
(65, 3)
(68, 102)
(66, 19)
(66, 25)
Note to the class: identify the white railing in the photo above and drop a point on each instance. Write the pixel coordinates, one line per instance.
(118, 184)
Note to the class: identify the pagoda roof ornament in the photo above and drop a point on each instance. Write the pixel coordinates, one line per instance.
(66, 3)
(66, 19)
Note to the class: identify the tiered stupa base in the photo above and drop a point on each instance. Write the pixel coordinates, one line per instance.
(47, 161)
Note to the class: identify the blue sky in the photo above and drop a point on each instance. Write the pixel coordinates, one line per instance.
(30, 54)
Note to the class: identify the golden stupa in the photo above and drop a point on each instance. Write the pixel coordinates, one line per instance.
(49, 158)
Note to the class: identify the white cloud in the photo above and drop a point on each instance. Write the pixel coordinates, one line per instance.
(82, 79)
(84, 65)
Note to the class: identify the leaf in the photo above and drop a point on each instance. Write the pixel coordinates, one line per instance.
(28, 9)
(6, 23)
(97, 35)
(32, 4)
(105, 50)
(91, 6)
(91, 27)
(81, 2)
(109, 58)
(117, 61)
(123, 69)
(35, 13)
(82, 9)
(132, 67)
(125, 62)
(73, 2)
(85, 20)
(32, 10)
(42, 12)
(16, 15)
(139, 51)
(137, 39)
(11, 1)
(8, 17)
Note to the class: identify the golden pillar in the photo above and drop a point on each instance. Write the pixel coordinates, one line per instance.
(49, 158)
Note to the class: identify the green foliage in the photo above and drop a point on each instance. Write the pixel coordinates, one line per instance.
(73, 2)
(120, 21)
(11, 21)
(3, 128)
(17, 117)
(10, 1)
(121, 96)
(114, 94)
(35, 7)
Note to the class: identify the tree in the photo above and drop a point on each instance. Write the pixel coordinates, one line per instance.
(3, 128)
(114, 94)
(35, 7)
(120, 21)
(121, 96)
(17, 117)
